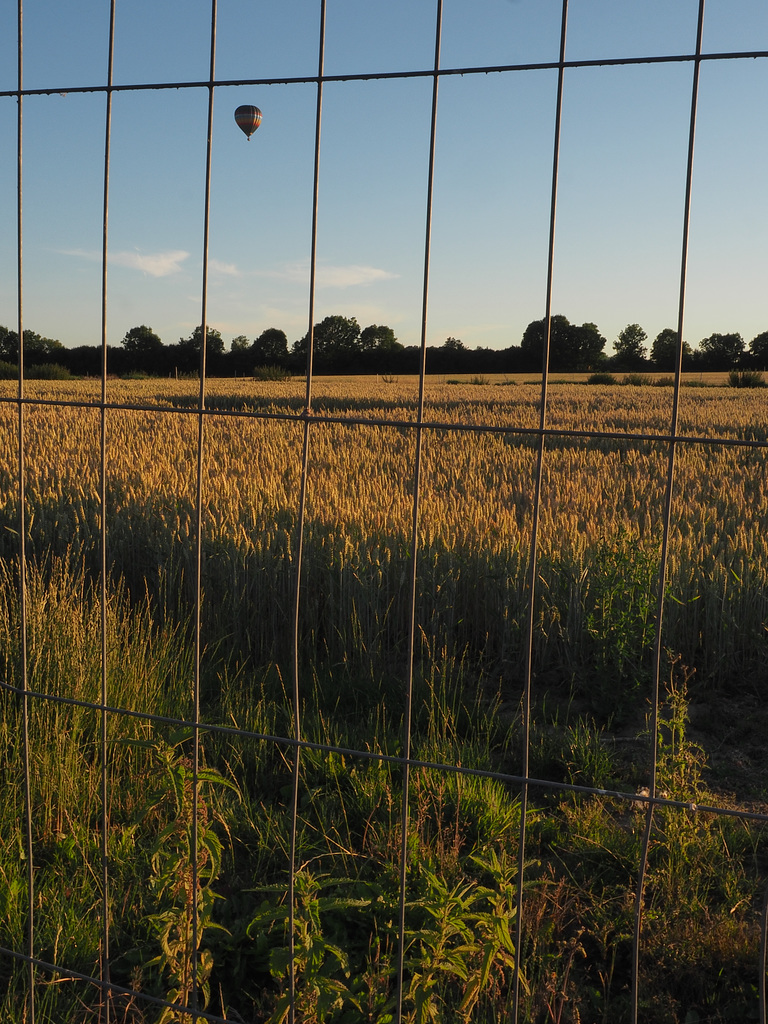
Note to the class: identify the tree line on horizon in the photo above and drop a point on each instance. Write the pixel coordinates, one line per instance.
(341, 346)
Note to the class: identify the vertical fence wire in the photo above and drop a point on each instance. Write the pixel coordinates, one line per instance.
(104, 967)
(22, 521)
(417, 472)
(300, 527)
(20, 421)
(536, 516)
(666, 529)
(200, 472)
(763, 960)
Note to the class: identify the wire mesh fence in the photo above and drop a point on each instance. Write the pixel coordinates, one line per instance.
(319, 705)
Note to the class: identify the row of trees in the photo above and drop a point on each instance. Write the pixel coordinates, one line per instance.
(716, 352)
(340, 346)
(37, 349)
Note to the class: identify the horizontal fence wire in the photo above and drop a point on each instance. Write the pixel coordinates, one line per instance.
(427, 425)
(373, 76)
(311, 417)
(232, 732)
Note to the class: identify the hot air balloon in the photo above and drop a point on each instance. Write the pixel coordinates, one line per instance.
(248, 119)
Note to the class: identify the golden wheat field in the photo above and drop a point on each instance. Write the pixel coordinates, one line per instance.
(602, 503)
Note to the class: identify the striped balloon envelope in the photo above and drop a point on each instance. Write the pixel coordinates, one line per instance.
(248, 119)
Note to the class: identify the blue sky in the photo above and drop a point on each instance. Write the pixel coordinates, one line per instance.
(622, 169)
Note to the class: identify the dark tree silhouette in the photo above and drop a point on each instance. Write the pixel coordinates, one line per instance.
(379, 338)
(336, 344)
(37, 349)
(758, 348)
(630, 346)
(270, 348)
(570, 347)
(722, 351)
(214, 343)
(664, 350)
(143, 349)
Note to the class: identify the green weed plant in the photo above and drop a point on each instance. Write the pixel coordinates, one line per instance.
(186, 862)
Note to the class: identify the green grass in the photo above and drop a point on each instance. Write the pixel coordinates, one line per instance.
(583, 851)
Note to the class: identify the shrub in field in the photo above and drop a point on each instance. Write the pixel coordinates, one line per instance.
(636, 379)
(271, 373)
(47, 371)
(44, 371)
(601, 378)
(746, 379)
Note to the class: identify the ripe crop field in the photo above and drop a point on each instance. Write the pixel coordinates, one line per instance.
(601, 514)
(594, 628)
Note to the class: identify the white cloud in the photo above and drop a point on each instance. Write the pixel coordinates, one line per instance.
(230, 269)
(169, 261)
(330, 276)
(289, 272)
(156, 264)
(348, 277)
